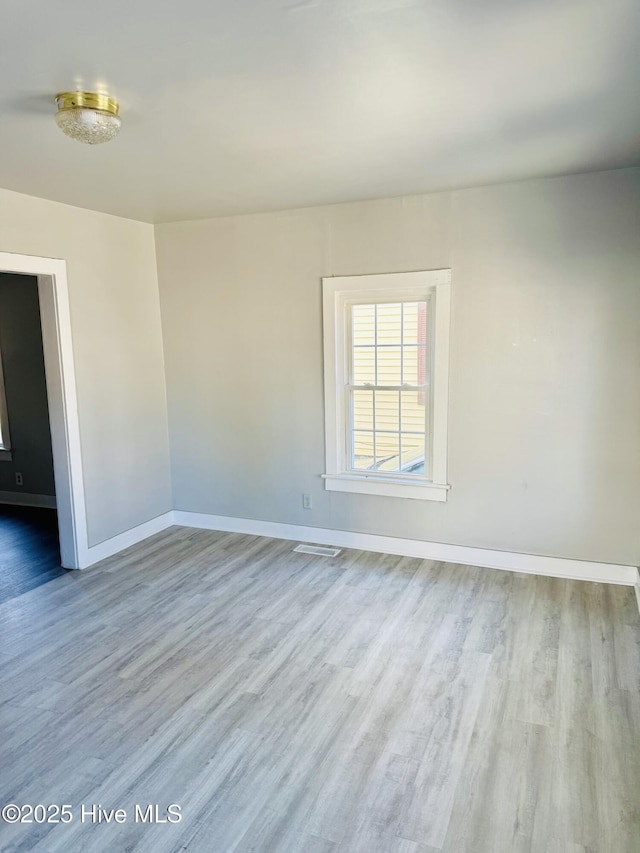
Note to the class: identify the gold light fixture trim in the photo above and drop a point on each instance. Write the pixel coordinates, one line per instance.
(70, 100)
(88, 116)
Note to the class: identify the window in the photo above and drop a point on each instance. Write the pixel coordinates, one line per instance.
(386, 360)
(5, 442)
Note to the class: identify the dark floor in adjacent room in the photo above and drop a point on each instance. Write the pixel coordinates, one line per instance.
(29, 549)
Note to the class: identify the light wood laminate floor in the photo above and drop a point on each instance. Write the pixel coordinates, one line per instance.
(302, 704)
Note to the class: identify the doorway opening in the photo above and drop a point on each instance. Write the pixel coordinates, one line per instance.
(28, 521)
(50, 278)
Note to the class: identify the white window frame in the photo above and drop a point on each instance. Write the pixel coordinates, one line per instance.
(5, 435)
(339, 292)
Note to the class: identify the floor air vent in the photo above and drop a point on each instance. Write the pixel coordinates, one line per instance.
(319, 550)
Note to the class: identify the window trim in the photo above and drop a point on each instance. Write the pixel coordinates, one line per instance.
(5, 435)
(339, 291)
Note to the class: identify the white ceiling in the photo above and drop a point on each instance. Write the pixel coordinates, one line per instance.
(233, 106)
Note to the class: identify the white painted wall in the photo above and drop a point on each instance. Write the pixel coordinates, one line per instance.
(545, 381)
(117, 346)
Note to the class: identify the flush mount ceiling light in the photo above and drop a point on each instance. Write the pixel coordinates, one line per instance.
(88, 117)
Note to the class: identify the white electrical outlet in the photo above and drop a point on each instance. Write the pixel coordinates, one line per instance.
(18, 479)
(306, 502)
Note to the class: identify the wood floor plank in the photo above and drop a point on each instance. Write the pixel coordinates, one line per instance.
(292, 703)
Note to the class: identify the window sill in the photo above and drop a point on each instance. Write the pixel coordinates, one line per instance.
(5, 455)
(387, 487)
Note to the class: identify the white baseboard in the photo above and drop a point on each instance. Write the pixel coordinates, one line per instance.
(109, 547)
(558, 567)
(24, 499)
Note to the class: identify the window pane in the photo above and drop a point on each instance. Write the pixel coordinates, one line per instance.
(413, 461)
(387, 451)
(414, 323)
(389, 348)
(387, 410)
(364, 365)
(389, 360)
(362, 450)
(363, 324)
(410, 323)
(410, 358)
(389, 323)
(362, 410)
(413, 411)
(415, 350)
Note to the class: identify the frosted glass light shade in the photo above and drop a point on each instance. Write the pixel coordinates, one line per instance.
(87, 116)
(88, 125)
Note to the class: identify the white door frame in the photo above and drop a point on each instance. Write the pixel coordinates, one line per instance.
(63, 402)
